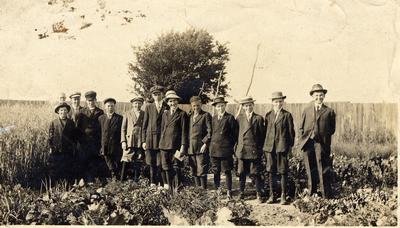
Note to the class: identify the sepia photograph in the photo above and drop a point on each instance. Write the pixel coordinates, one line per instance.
(199, 113)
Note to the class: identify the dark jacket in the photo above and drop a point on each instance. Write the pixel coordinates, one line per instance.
(110, 134)
(251, 136)
(325, 124)
(280, 133)
(151, 129)
(199, 131)
(76, 115)
(174, 130)
(131, 131)
(62, 137)
(224, 136)
(90, 126)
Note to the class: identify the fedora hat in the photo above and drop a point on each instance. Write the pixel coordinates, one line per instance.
(156, 88)
(277, 95)
(139, 98)
(75, 94)
(219, 99)
(247, 99)
(171, 95)
(317, 88)
(61, 105)
(109, 99)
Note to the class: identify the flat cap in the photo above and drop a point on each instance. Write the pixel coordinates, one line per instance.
(110, 99)
(138, 98)
(75, 94)
(156, 88)
(90, 94)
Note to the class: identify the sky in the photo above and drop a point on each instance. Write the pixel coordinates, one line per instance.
(350, 47)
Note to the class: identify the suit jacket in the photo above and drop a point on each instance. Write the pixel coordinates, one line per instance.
(326, 124)
(75, 115)
(224, 136)
(199, 131)
(62, 137)
(110, 134)
(90, 126)
(251, 136)
(131, 131)
(174, 130)
(151, 130)
(280, 134)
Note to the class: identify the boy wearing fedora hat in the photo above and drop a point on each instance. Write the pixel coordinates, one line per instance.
(199, 141)
(278, 142)
(223, 139)
(131, 142)
(110, 124)
(174, 126)
(249, 145)
(151, 131)
(61, 142)
(91, 138)
(317, 126)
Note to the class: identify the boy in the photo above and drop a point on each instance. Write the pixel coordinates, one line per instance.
(91, 141)
(316, 128)
(199, 140)
(61, 142)
(110, 124)
(151, 132)
(223, 139)
(249, 146)
(173, 138)
(279, 140)
(131, 133)
(76, 108)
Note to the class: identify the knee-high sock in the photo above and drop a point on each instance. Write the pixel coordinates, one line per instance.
(283, 183)
(228, 176)
(177, 177)
(169, 175)
(271, 184)
(242, 180)
(203, 181)
(257, 180)
(217, 179)
(153, 175)
(164, 177)
(123, 170)
(197, 181)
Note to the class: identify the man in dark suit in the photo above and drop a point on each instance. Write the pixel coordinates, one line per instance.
(76, 115)
(61, 142)
(90, 141)
(110, 124)
(317, 126)
(151, 132)
(199, 141)
(279, 140)
(131, 138)
(173, 141)
(223, 139)
(249, 145)
(76, 108)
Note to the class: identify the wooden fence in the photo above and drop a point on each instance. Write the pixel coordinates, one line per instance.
(354, 121)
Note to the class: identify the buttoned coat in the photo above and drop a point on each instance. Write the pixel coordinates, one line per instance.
(62, 136)
(90, 126)
(199, 132)
(131, 130)
(224, 136)
(174, 130)
(151, 130)
(280, 134)
(76, 115)
(251, 136)
(326, 124)
(111, 134)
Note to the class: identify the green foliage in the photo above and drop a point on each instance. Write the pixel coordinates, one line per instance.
(182, 61)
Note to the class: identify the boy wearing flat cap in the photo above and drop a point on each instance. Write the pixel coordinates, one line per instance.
(317, 126)
(91, 137)
(61, 142)
(76, 107)
(151, 132)
(131, 142)
(223, 139)
(249, 145)
(279, 140)
(199, 141)
(173, 141)
(110, 124)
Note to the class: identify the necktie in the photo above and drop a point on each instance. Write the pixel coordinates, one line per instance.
(276, 115)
